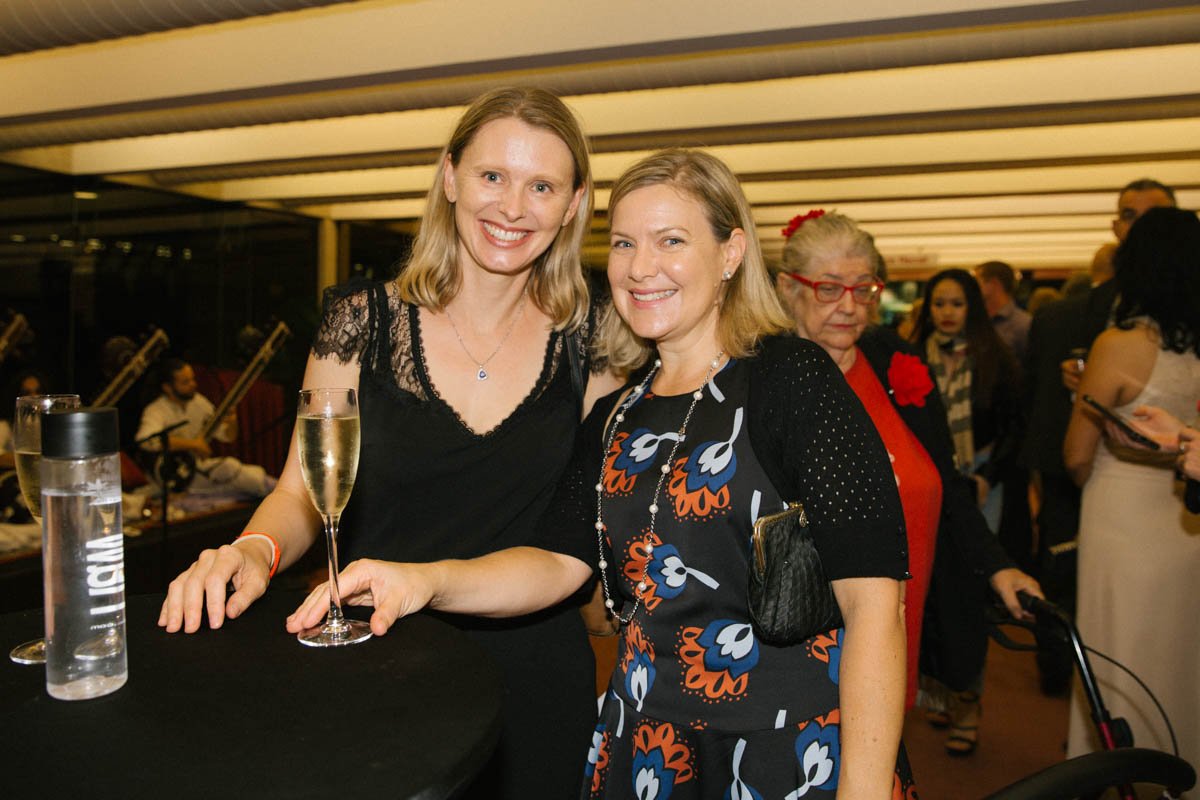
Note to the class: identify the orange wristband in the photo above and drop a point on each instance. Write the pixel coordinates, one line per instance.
(275, 550)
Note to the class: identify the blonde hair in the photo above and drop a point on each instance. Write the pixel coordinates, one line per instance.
(432, 276)
(749, 307)
(830, 237)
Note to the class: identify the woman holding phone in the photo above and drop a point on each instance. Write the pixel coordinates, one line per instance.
(1139, 550)
(1168, 433)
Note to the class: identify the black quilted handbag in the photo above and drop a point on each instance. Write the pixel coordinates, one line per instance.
(790, 597)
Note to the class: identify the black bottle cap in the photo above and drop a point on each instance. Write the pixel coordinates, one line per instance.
(80, 433)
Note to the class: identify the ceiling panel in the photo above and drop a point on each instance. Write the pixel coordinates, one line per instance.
(959, 129)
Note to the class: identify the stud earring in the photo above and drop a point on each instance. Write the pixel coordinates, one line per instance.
(726, 275)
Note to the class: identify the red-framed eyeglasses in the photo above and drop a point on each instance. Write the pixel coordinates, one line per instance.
(831, 291)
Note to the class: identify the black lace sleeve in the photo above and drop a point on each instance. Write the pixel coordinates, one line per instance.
(569, 524)
(345, 323)
(820, 447)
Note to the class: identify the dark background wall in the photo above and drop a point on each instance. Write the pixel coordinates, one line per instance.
(120, 261)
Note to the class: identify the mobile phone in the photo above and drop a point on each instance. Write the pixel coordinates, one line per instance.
(1121, 423)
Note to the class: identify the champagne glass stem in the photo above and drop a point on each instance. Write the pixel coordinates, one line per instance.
(33, 652)
(336, 620)
(337, 630)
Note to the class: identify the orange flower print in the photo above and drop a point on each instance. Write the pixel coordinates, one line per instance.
(597, 760)
(635, 567)
(661, 760)
(718, 659)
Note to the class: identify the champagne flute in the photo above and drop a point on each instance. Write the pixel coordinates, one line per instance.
(327, 435)
(27, 442)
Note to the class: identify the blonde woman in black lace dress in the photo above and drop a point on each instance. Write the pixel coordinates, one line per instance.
(469, 398)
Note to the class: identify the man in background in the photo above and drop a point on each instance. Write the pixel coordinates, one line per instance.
(1059, 338)
(1134, 200)
(998, 283)
(181, 403)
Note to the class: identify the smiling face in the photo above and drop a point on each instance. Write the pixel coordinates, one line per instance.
(948, 308)
(513, 192)
(835, 326)
(666, 267)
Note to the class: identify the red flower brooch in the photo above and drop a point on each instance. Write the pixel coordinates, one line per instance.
(909, 379)
(799, 220)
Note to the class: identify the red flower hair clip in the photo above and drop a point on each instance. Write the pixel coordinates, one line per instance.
(799, 220)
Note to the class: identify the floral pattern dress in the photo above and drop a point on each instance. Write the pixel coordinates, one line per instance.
(698, 706)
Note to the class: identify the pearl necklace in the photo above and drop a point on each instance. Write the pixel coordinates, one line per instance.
(664, 471)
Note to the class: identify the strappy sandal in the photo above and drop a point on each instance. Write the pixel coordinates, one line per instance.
(938, 719)
(964, 735)
(962, 739)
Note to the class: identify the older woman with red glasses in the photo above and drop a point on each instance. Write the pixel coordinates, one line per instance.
(831, 281)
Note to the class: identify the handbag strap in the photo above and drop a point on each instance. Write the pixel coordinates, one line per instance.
(764, 450)
(575, 344)
(608, 421)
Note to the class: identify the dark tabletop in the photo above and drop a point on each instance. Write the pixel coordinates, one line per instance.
(248, 711)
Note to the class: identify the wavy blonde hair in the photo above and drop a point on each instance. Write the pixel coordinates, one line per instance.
(432, 276)
(749, 306)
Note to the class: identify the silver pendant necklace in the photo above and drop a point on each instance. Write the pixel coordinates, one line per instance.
(482, 374)
(664, 471)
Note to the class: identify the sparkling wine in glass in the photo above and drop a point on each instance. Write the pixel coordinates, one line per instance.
(27, 442)
(327, 435)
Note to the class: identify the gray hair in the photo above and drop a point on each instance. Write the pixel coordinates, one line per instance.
(827, 238)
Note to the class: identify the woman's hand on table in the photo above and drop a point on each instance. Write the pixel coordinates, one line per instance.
(394, 590)
(202, 587)
(1007, 582)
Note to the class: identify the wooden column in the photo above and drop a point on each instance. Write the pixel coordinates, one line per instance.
(327, 255)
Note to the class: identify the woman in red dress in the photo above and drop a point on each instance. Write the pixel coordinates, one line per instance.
(832, 279)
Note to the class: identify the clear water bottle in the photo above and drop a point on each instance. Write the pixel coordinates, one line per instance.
(83, 554)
